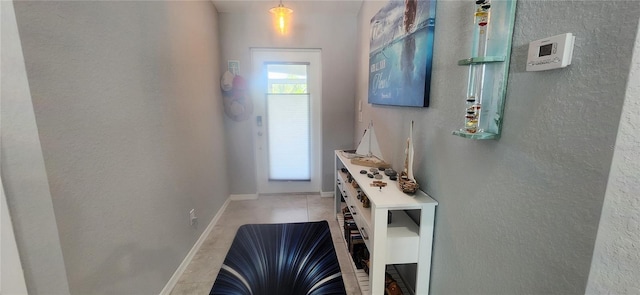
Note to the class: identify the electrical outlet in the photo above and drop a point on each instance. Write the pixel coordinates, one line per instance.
(193, 220)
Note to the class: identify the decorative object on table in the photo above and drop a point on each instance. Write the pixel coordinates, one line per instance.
(401, 52)
(379, 184)
(363, 171)
(377, 176)
(368, 152)
(391, 286)
(390, 172)
(370, 175)
(407, 182)
(349, 154)
(488, 69)
(306, 247)
(360, 195)
(365, 202)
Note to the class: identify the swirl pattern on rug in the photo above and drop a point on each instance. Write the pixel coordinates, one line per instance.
(289, 258)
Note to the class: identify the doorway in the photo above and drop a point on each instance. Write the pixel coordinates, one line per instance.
(287, 94)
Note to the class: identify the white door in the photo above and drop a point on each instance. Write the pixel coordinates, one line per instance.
(287, 94)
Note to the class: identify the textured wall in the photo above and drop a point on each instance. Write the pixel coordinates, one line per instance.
(616, 258)
(23, 174)
(128, 107)
(334, 33)
(517, 215)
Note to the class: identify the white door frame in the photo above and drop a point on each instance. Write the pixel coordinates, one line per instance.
(258, 89)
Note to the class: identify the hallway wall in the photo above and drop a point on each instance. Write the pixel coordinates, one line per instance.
(616, 259)
(128, 109)
(520, 214)
(331, 30)
(23, 175)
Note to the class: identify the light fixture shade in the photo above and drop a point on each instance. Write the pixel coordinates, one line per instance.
(281, 9)
(281, 15)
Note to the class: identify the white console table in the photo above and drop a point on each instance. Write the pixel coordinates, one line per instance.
(400, 242)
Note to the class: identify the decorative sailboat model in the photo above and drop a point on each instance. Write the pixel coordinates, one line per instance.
(406, 181)
(368, 152)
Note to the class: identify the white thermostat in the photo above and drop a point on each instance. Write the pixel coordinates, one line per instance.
(550, 53)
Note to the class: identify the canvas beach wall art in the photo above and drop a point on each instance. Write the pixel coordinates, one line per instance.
(400, 54)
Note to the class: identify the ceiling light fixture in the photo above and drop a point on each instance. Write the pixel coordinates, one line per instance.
(281, 16)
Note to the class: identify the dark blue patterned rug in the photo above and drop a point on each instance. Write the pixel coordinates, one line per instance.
(290, 258)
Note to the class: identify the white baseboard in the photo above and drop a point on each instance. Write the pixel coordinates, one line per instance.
(243, 197)
(183, 266)
(327, 194)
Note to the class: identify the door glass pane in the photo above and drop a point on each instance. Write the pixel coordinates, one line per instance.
(287, 78)
(288, 122)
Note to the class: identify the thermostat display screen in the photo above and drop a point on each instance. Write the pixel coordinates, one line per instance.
(545, 50)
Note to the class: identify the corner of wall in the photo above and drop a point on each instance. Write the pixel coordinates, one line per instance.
(614, 266)
(23, 171)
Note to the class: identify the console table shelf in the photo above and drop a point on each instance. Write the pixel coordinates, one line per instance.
(400, 242)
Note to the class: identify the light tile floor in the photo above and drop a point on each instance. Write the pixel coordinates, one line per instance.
(199, 276)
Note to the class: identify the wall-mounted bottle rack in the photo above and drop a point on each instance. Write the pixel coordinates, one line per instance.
(488, 69)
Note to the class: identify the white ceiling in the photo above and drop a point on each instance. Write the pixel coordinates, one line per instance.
(301, 6)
